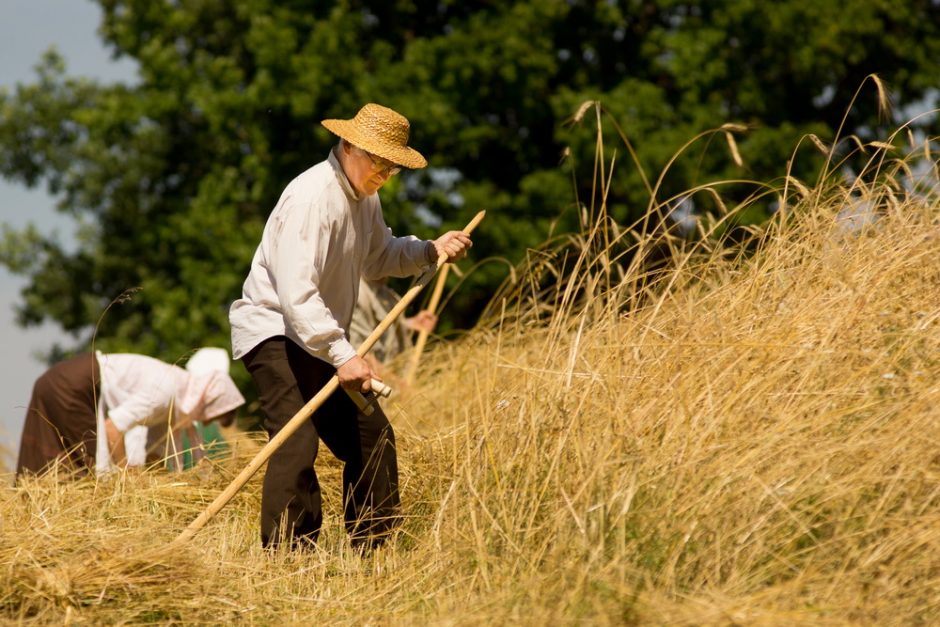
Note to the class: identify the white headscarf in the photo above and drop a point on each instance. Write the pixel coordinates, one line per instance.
(209, 393)
(207, 396)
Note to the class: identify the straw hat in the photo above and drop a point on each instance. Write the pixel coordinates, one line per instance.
(382, 132)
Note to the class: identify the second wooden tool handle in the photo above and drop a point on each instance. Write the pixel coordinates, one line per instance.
(380, 388)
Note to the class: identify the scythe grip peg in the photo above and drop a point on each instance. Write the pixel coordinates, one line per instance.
(366, 404)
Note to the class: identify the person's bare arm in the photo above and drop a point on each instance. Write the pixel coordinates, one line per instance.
(424, 320)
(115, 442)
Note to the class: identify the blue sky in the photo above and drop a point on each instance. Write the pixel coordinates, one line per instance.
(27, 29)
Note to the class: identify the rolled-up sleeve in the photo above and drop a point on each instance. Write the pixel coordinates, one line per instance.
(297, 260)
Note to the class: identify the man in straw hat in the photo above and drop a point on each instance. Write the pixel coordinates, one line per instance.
(290, 326)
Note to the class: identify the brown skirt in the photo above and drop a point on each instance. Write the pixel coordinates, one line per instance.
(61, 421)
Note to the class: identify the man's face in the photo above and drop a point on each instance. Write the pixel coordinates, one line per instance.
(366, 172)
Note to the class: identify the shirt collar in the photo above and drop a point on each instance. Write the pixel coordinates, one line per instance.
(341, 177)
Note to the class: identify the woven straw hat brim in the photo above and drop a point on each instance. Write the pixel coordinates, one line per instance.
(401, 155)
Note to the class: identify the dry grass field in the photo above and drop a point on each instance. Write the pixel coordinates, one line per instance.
(746, 436)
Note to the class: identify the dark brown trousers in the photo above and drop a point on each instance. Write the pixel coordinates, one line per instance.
(286, 377)
(61, 421)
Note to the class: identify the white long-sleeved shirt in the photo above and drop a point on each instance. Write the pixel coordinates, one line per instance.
(136, 392)
(139, 392)
(304, 278)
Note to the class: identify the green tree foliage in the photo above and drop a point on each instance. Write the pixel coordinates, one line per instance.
(173, 177)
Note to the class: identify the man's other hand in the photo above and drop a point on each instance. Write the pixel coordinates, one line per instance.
(356, 375)
(453, 245)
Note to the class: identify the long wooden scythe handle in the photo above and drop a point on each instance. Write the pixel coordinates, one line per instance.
(423, 335)
(313, 404)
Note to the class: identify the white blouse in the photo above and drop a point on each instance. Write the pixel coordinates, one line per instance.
(138, 392)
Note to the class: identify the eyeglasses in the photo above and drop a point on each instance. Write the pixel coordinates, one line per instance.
(382, 166)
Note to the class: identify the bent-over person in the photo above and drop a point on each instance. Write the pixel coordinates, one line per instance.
(94, 410)
(290, 327)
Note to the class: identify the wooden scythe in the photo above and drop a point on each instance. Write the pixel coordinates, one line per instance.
(313, 404)
(423, 334)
